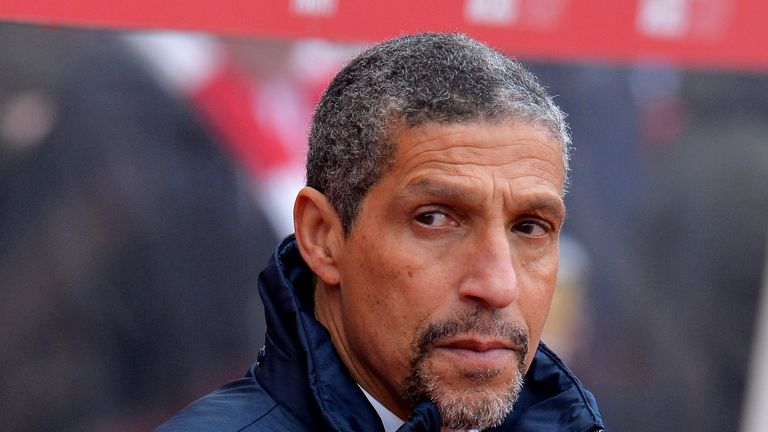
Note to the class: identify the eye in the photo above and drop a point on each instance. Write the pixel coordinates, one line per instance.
(434, 219)
(532, 228)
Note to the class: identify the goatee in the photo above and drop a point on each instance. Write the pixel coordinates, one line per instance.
(480, 406)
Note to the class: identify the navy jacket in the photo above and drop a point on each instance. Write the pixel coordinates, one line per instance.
(300, 384)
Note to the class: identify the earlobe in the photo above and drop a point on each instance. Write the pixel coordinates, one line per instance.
(318, 234)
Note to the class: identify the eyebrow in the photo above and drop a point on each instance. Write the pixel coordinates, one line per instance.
(435, 189)
(544, 203)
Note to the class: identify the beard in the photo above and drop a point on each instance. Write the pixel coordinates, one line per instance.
(480, 406)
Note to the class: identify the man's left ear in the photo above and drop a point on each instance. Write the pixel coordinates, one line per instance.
(318, 233)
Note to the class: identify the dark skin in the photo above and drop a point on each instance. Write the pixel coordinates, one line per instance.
(467, 218)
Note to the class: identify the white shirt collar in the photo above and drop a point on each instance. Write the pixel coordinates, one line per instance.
(390, 421)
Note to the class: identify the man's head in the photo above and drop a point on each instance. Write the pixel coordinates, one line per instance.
(407, 82)
(431, 219)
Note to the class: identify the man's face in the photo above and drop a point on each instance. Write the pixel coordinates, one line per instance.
(447, 274)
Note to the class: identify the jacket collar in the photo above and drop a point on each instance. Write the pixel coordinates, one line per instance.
(553, 399)
(301, 370)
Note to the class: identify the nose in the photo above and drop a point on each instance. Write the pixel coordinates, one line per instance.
(491, 278)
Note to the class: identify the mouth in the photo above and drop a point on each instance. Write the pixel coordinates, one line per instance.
(479, 352)
(478, 344)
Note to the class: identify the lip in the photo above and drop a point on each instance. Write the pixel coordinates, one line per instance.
(480, 352)
(478, 344)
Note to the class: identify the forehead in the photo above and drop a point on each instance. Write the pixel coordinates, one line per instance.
(510, 150)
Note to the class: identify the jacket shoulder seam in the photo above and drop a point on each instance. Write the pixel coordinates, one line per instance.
(256, 420)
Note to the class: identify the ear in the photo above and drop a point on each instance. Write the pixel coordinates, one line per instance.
(318, 233)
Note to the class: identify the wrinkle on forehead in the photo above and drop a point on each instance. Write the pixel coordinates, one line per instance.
(419, 174)
(481, 163)
(478, 144)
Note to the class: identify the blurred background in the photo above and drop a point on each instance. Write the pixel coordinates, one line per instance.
(145, 177)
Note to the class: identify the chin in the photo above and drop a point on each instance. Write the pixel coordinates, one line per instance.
(467, 398)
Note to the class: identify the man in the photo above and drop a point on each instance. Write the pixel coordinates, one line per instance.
(415, 291)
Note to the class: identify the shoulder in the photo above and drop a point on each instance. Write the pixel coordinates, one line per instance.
(240, 406)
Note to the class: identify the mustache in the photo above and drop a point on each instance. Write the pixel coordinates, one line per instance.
(477, 322)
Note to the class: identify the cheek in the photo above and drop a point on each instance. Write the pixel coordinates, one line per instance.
(397, 278)
(379, 304)
(537, 308)
(536, 298)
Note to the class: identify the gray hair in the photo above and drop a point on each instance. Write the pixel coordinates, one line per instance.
(413, 80)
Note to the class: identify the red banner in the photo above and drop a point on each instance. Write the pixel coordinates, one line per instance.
(701, 33)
